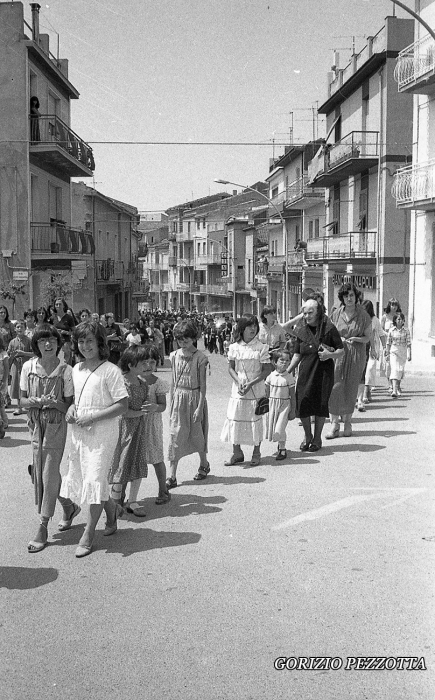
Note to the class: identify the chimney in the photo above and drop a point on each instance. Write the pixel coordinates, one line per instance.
(35, 7)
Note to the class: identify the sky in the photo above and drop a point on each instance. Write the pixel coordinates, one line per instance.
(188, 71)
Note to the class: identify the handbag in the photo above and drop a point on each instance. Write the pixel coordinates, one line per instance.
(262, 406)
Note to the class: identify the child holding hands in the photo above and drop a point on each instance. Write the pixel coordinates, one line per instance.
(280, 389)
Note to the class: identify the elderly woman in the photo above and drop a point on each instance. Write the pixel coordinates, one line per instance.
(317, 344)
(271, 333)
(65, 324)
(355, 328)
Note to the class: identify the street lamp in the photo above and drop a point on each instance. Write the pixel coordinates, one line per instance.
(284, 233)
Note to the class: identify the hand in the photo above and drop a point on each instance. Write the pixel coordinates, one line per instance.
(242, 388)
(324, 354)
(47, 401)
(197, 414)
(85, 421)
(35, 401)
(71, 414)
(149, 408)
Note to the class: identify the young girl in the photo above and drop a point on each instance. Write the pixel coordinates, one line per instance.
(153, 408)
(134, 451)
(280, 389)
(133, 337)
(397, 350)
(100, 397)
(19, 350)
(188, 420)
(248, 366)
(47, 391)
(4, 373)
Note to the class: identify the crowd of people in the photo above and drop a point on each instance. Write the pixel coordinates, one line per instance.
(100, 377)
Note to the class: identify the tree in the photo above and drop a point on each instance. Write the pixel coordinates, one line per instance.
(57, 285)
(10, 290)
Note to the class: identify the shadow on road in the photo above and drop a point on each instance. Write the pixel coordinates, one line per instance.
(23, 577)
(129, 541)
(356, 419)
(230, 480)
(181, 506)
(11, 442)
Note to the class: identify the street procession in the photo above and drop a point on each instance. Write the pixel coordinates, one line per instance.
(216, 431)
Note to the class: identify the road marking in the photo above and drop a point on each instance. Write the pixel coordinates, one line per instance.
(347, 503)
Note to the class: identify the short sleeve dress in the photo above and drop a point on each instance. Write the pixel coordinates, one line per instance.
(129, 460)
(281, 401)
(154, 424)
(93, 447)
(242, 426)
(186, 436)
(349, 367)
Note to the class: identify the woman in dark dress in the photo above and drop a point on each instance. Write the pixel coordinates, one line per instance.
(317, 344)
(65, 324)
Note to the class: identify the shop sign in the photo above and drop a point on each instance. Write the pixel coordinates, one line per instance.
(360, 281)
(20, 275)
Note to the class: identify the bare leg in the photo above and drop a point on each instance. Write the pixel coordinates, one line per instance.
(173, 464)
(95, 510)
(306, 424)
(160, 469)
(347, 418)
(318, 427)
(335, 427)
(394, 383)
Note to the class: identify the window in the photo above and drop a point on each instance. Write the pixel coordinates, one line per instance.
(204, 248)
(363, 203)
(274, 192)
(203, 223)
(316, 228)
(249, 271)
(198, 223)
(198, 249)
(336, 210)
(311, 229)
(174, 227)
(188, 226)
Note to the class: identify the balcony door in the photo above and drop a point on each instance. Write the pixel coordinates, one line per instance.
(55, 203)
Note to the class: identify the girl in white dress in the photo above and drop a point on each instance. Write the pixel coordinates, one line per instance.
(280, 389)
(248, 366)
(100, 397)
(398, 350)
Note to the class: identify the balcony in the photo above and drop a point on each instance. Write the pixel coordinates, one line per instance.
(172, 261)
(50, 240)
(167, 287)
(141, 289)
(109, 271)
(183, 236)
(347, 246)
(208, 259)
(353, 154)
(414, 186)
(54, 146)
(415, 67)
(183, 287)
(154, 265)
(300, 195)
(218, 290)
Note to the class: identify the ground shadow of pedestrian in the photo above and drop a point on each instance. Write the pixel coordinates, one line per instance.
(382, 433)
(213, 479)
(350, 447)
(128, 541)
(362, 420)
(181, 505)
(9, 441)
(23, 577)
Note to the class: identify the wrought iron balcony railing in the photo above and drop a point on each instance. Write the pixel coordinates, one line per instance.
(355, 244)
(58, 239)
(354, 153)
(414, 186)
(416, 63)
(299, 191)
(215, 289)
(48, 131)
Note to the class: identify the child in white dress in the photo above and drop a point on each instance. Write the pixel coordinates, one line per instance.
(398, 350)
(100, 397)
(248, 366)
(280, 389)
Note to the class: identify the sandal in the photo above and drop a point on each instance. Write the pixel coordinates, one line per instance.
(66, 524)
(255, 459)
(234, 459)
(334, 432)
(83, 550)
(162, 499)
(34, 547)
(202, 473)
(135, 509)
(171, 482)
(281, 454)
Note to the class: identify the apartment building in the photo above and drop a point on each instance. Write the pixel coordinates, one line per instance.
(364, 237)
(414, 185)
(158, 276)
(39, 154)
(113, 226)
(297, 214)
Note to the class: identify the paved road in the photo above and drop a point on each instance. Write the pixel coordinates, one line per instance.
(323, 555)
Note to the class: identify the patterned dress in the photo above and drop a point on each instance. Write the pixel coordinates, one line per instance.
(16, 365)
(242, 426)
(398, 342)
(186, 436)
(281, 405)
(47, 427)
(154, 424)
(130, 457)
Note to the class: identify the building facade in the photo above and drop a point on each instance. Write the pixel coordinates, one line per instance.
(39, 154)
(365, 238)
(414, 185)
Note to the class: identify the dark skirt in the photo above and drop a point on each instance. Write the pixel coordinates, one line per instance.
(314, 386)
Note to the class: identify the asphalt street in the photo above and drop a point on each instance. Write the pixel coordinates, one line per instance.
(322, 555)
